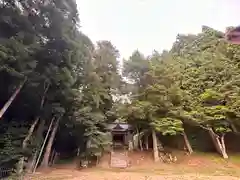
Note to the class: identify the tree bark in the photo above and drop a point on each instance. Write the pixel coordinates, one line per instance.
(11, 99)
(187, 143)
(222, 140)
(97, 162)
(24, 146)
(55, 157)
(233, 127)
(35, 156)
(214, 139)
(45, 140)
(219, 143)
(40, 129)
(78, 151)
(146, 141)
(138, 140)
(160, 145)
(52, 157)
(155, 146)
(45, 160)
(141, 144)
(135, 142)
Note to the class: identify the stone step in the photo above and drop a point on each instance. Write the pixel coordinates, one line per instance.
(119, 164)
(119, 160)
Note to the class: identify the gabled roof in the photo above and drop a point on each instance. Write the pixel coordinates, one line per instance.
(119, 127)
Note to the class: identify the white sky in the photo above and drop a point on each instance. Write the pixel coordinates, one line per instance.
(152, 24)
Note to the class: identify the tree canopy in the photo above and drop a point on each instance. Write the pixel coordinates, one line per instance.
(55, 82)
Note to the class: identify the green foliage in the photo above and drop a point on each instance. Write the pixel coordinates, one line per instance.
(100, 80)
(206, 79)
(195, 82)
(41, 42)
(11, 141)
(168, 126)
(158, 102)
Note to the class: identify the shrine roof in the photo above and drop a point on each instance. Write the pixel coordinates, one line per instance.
(119, 127)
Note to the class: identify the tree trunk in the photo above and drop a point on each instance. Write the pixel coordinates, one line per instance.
(55, 157)
(78, 151)
(135, 141)
(20, 166)
(43, 145)
(155, 146)
(49, 145)
(233, 127)
(44, 96)
(160, 145)
(219, 143)
(214, 139)
(187, 143)
(35, 156)
(40, 129)
(141, 144)
(52, 157)
(97, 162)
(10, 100)
(138, 140)
(224, 153)
(24, 146)
(146, 141)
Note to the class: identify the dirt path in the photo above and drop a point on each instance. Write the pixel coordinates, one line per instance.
(195, 167)
(108, 175)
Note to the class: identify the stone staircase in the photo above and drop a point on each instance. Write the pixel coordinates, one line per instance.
(119, 159)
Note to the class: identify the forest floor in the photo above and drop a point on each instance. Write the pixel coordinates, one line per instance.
(194, 167)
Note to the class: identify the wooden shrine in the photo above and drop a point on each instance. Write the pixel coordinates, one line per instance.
(122, 135)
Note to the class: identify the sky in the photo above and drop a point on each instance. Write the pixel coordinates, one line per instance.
(149, 25)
